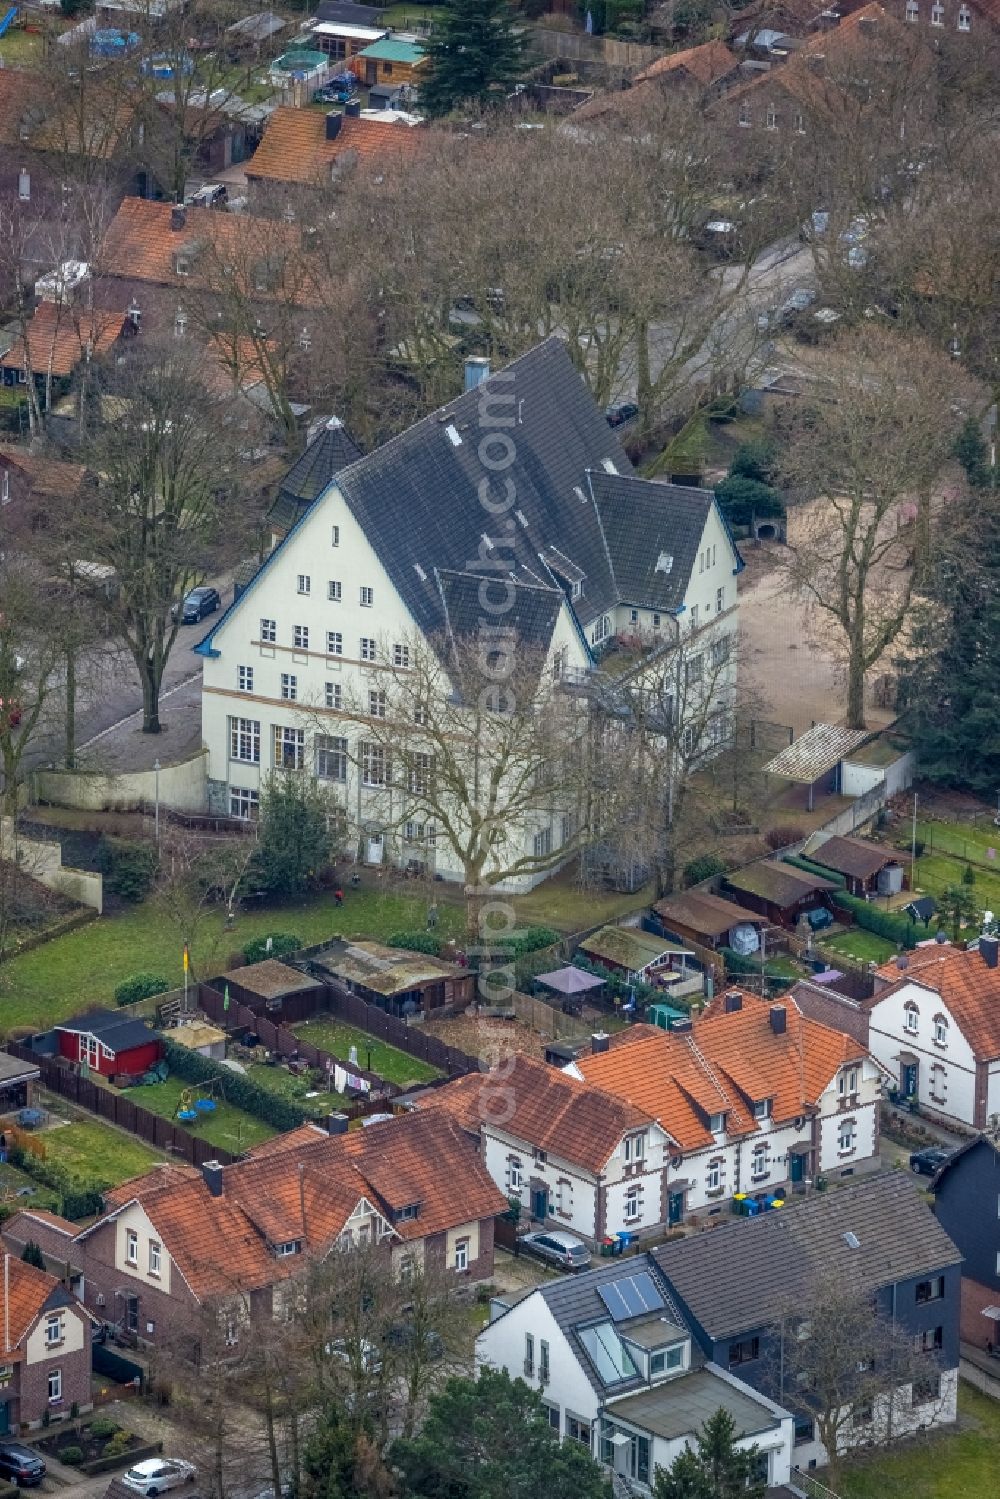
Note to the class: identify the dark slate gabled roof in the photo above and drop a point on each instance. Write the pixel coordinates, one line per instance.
(744, 1274)
(417, 497)
(643, 521)
(331, 450)
(118, 1031)
(347, 11)
(532, 615)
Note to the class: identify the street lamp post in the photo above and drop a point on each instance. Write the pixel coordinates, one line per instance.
(156, 794)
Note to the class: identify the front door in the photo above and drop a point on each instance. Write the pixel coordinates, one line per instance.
(375, 848)
(796, 1168)
(540, 1203)
(909, 1079)
(675, 1208)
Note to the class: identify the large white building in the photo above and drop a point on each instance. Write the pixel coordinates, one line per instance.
(513, 507)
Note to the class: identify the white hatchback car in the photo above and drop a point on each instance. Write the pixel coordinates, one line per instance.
(157, 1474)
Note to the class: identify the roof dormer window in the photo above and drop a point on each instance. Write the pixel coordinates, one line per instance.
(762, 1108)
(407, 1214)
(717, 1123)
(291, 1246)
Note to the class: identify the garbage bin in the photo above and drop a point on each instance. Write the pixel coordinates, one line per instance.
(607, 1247)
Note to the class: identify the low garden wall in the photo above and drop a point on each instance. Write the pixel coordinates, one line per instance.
(182, 787)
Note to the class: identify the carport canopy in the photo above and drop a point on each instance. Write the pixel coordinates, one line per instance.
(815, 752)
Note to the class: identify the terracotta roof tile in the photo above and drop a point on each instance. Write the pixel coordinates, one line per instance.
(18, 92)
(210, 1239)
(28, 1290)
(966, 984)
(46, 476)
(295, 147)
(545, 1107)
(51, 1220)
(665, 1073)
(57, 338)
(705, 63)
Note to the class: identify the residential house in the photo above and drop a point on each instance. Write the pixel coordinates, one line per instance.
(868, 868)
(755, 1100)
(304, 146)
(709, 920)
(701, 71)
(964, 18)
(56, 339)
(638, 956)
(934, 1024)
(574, 1157)
(612, 1357)
(177, 1239)
(45, 1360)
(395, 979)
(342, 30)
(701, 67)
(780, 891)
(112, 1043)
(30, 483)
(390, 60)
(379, 567)
(737, 1286)
(967, 1205)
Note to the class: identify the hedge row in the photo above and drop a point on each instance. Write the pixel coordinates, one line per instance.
(799, 862)
(78, 1201)
(891, 925)
(282, 943)
(140, 986)
(425, 942)
(236, 1089)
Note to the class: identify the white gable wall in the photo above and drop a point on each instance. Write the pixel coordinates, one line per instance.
(946, 1073)
(501, 1345)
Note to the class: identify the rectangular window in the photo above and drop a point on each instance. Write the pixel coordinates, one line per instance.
(268, 631)
(374, 769)
(744, 1352)
(529, 1355)
(335, 536)
(716, 1123)
(334, 643)
(53, 1330)
(713, 1177)
(720, 600)
(461, 1255)
(300, 637)
(368, 649)
(55, 1386)
(911, 1018)
(367, 597)
(515, 1180)
(244, 740)
(334, 591)
(925, 1389)
(930, 1290)
(334, 695)
(401, 656)
(543, 1362)
(419, 773)
(289, 687)
(762, 1108)
(847, 1136)
(244, 678)
(633, 1204)
(154, 1257)
(289, 748)
(243, 802)
(693, 669)
(304, 583)
(578, 1430)
(931, 1340)
(803, 1430)
(376, 704)
(635, 1147)
(542, 843)
(231, 1331)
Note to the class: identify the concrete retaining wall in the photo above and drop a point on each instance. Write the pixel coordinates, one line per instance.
(43, 862)
(182, 788)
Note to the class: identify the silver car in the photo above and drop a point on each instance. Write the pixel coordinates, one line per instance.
(564, 1250)
(157, 1474)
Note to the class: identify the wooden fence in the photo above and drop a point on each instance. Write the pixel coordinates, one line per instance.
(352, 1009)
(120, 1110)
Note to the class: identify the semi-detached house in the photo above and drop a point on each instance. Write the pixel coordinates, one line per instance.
(393, 556)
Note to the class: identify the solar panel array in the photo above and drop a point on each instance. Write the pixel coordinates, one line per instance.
(631, 1296)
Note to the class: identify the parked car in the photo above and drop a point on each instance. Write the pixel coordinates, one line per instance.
(565, 1250)
(371, 1358)
(620, 413)
(157, 1474)
(198, 603)
(210, 195)
(20, 1465)
(928, 1162)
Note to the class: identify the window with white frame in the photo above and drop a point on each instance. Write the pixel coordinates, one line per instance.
(771, 118)
(713, 1176)
(376, 704)
(154, 1257)
(401, 656)
(938, 1082)
(304, 583)
(716, 1123)
(54, 1330)
(515, 1181)
(633, 616)
(694, 616)
(541, 844)
(633, 1203)
(760, 1165)
(847, 1136)
(243, 802)
(244, 679)
(289, 687)
(333, 695)
(762, 1108)
(937, 14)
(231, 1330)
(419, 773)
(335, 536)
(940, 1030)
(847, 1082)
(55, 1386)
(745, 119)
(331, 757)
(964, 18)
(634, 1147)
(334, 643)
(244, 740)
(334, 591)
(131, 1247)
(300, 637)
(369, 650)
(912, 10)
(461, 1255)
(601, 630)
(374, 768)
(800, 123)
(268, 631)
(289, 747)
(720, 600)
(911, 1017)
(366, 597)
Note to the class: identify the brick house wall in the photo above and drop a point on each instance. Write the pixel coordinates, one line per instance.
(480, 1266)
(32, 1383)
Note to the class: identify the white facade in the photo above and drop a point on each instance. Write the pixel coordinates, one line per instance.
(917, 1038)
(528, 1343)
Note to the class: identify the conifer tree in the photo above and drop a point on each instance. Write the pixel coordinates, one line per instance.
(475, 54)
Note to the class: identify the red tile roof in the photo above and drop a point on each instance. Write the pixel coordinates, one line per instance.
(544, 1106)
(46, 476)
(18, 92)
(295, 147)
(729, 1062)
(706, 63)
(23, 1299)
(966, 984)
(57, 338)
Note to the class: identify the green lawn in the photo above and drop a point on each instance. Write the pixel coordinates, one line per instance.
(20, 49)
(83, 967)
(96, 1154)
(862, 946)
(227, 1126)
(962, 839)
(282, 1082)
(406, 17)
(12, 1180)
(388, 1061)
(960, 1464)
(935, 872)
